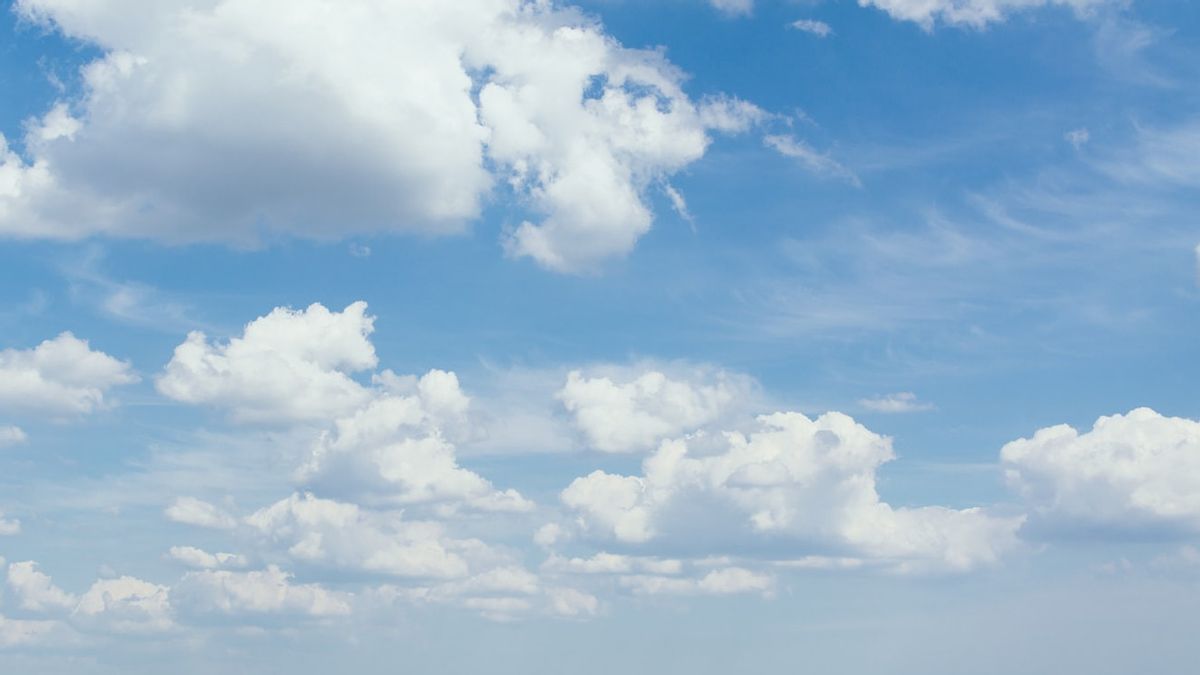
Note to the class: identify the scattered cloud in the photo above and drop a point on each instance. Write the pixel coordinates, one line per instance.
(813, 27)
(900, 402)
(810, 159)
(1077, 137)
(61, 377)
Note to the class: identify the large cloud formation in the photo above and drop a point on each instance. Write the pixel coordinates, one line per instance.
(224, 120)
(799, 485)
(1129, 471)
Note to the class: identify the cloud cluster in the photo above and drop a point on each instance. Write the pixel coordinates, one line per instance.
(798, 483)
(119, 605)
(1129, 471)
(62, 377)
(229, 120)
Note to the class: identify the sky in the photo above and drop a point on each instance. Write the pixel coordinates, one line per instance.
(523, 336)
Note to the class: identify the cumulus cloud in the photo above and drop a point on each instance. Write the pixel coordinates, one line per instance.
(972, 13)
(35, 591)
(345, 536)
(628, 412)
(797, 483)
(1129, 471)
(287, 366)
(900, 402)
(22, 632)
(124, 605)
(227, 120)
(734, 7)
(192, 511)
(61, 377)
(268, 591)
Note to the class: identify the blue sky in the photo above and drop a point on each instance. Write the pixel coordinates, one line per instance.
(697, 337)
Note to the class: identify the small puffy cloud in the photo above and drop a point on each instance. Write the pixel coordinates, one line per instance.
(793, 481)
(815, 162)
(35, 591)
(288, 366)
(268, 591)
(972, 13)
(10, 435)
(227, 121)
(192, 511)
(611, 563)
(9, 526)
(624, 412)
(201, 559)
(900, 402)
(124, 605)
(60, 377)
(812, 26)
(1129, 471)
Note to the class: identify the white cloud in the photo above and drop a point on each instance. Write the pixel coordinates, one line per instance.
(192, 511)
(1128, 471)
(796, 482)
(10, 435)
(21, 633)
(124, 605)
(344, 536)
(973, 13)
(35, 591)
(816, 162)
(62, 376)
(611, 563)
(818, 28)
(224, 120)
(268, 591)
(725, 581)
(571, 602)
(734, 7)
(288, 366)
(900, 402)
(627, 412)
(9, 526)
(395, 450)
(201, 559)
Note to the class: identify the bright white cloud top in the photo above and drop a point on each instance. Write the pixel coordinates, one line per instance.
(184, 131)
(61, 377)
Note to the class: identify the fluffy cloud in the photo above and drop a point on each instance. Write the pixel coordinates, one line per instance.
(21, 633)
(124, 605)
(192, 511)
(619, 412)
(35, 591)
(797, 482)
(345, 536)
(818, 28)
(61, 377)
(395, 450)
(1128, 471)
(288, 366)
(268, 591)
(222, 120)
(973, 13)
(734, 7)
(725, 581)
